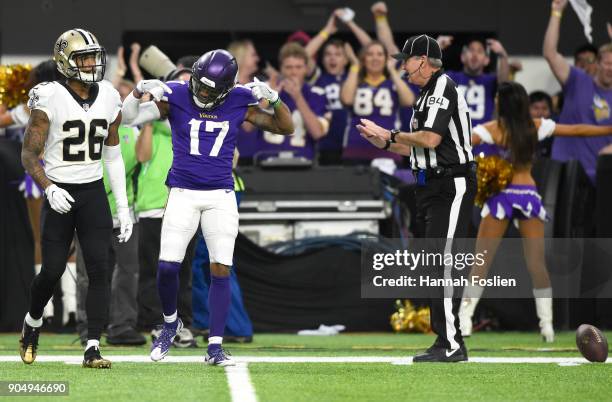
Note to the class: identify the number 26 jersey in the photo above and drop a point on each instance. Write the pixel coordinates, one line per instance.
(77, 129)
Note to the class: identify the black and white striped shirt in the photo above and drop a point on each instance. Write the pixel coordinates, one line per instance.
(441, 109)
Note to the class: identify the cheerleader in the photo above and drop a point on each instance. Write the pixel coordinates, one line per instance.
(517, 134)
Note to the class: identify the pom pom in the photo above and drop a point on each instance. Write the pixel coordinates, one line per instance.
(409, 319)
(493, 175)
(13, 84)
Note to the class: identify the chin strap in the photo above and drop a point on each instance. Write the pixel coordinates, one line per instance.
(209, 105)
(200, 104)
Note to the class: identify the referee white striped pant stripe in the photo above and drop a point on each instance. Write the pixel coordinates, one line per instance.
(451, 332)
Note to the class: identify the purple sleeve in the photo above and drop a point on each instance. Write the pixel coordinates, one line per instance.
(574, 79)
(245, 95)
(175, 86)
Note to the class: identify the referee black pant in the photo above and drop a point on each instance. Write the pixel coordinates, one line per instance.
(91, 218)
(444, 210)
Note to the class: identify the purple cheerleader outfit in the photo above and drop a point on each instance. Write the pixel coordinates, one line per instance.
(516, 201)
(30, 188)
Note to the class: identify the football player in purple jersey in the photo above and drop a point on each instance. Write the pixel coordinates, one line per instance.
(205, 115)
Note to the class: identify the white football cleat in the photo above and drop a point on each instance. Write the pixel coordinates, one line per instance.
(548, 333)
(219, 358)
(161, 345)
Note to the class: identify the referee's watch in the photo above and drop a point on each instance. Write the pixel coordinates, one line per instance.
(394, 133)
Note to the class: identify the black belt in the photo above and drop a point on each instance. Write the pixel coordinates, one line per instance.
(446, 171)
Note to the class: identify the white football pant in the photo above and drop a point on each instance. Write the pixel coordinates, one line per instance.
(215, 210)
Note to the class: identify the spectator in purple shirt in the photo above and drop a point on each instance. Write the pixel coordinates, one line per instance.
(306, 104)
(587, 99)
(247, 58)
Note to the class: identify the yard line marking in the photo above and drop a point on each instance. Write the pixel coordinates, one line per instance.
(76, 359)
(240, 385)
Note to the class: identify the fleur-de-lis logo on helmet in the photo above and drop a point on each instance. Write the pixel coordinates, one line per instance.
(61, 45)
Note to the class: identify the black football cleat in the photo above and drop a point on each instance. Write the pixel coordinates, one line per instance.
(93, 359)
(441, 355)
(28, 343)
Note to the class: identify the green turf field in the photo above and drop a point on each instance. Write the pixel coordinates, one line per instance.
(363, 367)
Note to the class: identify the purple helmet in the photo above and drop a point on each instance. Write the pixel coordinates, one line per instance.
(213, 77)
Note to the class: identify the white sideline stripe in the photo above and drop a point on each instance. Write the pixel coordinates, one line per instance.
(75, 359)
(240, 385)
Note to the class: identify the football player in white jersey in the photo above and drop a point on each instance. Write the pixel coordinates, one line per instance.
(73, 125)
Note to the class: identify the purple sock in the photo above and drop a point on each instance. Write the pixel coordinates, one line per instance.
(213, 348)
(168, 285)
(219, 298)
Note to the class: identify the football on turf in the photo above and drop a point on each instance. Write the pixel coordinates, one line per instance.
(592, 343)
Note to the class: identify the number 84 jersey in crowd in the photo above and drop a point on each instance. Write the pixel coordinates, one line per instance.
(77, 129)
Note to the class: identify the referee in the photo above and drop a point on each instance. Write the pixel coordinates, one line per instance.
(440, 150)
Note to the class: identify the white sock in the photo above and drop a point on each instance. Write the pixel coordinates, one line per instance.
(473, 291)
(34, 323)
(542, 293)
(215, 340)
(170, 318)
(92, 342)
(68, 284)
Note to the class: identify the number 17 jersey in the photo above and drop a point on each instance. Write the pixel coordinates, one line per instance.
(203, 141)
(77, 129)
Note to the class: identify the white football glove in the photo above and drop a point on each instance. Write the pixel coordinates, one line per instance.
(125, 223)
(155, 87)
(59, 199)
(261, 90)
